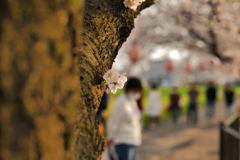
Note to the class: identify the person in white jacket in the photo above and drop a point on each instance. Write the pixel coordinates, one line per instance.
(154, 105)
(124, 125)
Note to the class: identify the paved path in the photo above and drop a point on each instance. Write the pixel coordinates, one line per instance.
(183, 141)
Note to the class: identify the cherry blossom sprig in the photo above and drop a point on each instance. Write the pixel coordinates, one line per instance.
(114, 81)
(133, 4)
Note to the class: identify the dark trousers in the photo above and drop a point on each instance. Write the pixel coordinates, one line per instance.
(192, 115)
(126, 152)
(153, 120)
(175, 114)
(210, 109)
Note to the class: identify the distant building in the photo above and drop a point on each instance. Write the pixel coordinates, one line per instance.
(157, 74)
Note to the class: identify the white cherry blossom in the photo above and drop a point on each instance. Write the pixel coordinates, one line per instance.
(114, 81)
(133, 4)
(121, 81)
(111, 76)
(113, 88)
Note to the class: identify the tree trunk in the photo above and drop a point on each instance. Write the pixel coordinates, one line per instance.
(46, 114)
(39, 91)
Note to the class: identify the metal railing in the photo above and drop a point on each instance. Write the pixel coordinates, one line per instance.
(230, 138)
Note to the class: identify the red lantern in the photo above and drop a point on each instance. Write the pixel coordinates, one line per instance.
(188, 68)
(169, 65)
(134, 52)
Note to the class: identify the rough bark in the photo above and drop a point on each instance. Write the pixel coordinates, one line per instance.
(46, 113)
(106, 25)
(39, 91)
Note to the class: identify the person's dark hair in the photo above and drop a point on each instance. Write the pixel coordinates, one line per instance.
(154, 86)
(227, 84)
(211, 83)
(133, 83)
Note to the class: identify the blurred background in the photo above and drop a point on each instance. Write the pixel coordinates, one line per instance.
(192, 41)
(176, 43)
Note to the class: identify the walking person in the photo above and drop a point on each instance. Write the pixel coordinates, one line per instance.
(124, 125)
(154, 107)
(192, 106)
(102, 107)
(229, 99)
(211, 95)
(174, 105)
